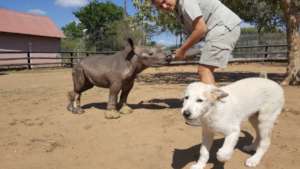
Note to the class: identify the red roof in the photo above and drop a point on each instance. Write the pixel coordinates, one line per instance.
(28, 24)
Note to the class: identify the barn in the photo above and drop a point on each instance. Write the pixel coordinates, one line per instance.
(25, 32)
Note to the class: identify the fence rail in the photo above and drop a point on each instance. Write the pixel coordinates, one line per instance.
(8, 58)
(12, 59)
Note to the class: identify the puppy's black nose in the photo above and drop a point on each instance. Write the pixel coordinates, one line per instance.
(186, 113)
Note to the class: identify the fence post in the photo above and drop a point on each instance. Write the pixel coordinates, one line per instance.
(28, 60)
(71, 60)
(266, 50)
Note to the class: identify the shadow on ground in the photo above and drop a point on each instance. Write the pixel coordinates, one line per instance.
(182, 78)
(188, 77)
(181, 157)
(170, 103)
(3, 73)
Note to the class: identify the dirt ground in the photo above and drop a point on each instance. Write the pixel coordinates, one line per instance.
(37, 132)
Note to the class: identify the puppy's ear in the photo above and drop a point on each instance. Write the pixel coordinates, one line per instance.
(216, 94)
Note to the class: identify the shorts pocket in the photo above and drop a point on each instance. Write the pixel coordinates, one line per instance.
(221, 46)
(217, 32)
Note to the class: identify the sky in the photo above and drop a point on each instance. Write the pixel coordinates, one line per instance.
(61, 12)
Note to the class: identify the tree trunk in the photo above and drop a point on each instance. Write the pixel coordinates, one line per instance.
(293, 38)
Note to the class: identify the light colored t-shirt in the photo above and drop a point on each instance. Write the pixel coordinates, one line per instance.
(213, 12)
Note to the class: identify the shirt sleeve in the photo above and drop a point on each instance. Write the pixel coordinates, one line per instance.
(192, 9)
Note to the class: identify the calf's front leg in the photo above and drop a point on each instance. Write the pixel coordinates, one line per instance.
(125, 109)
(77, 107)
(111, 112)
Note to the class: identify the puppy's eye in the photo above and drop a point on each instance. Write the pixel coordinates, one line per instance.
(199, 100)
(186, 97)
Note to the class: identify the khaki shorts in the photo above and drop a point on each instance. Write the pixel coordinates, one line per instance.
(219, 44)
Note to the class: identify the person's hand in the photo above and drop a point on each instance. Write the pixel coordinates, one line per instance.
(180, 54)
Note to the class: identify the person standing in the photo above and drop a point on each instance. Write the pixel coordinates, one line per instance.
(209, 21)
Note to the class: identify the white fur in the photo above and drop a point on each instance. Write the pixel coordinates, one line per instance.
(223, 109)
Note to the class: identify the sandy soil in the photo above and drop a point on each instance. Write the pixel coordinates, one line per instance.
(37, 132)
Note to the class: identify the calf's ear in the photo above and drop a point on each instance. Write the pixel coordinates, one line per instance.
(129, 49)
(130, 44)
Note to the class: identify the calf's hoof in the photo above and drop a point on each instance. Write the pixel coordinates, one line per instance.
(75, 110)
(70, 108)
(112, 114)
(126, 110)
(78, 110)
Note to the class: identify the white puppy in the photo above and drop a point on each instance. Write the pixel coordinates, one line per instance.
(223, 109)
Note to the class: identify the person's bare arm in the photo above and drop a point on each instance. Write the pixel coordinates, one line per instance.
(200, 29)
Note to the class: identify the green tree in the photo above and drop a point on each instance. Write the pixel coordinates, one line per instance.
(266, 15)
(73, 30)
(121, 30)
(97, 18)
(291, 10)
(154, 21)
(74, 40)
(248, 30)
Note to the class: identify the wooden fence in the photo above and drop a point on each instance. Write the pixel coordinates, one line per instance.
(9, 59)
(20, 59)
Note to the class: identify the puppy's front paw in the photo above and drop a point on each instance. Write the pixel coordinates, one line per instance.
(197, 166)
(252, 161)
(223, 155)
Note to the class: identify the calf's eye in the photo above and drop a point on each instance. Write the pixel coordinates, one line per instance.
(186, 97)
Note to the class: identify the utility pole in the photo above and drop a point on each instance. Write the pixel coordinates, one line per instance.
(125, 8)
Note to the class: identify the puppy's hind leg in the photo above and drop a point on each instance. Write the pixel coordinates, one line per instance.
(266, 121)
(254, 122)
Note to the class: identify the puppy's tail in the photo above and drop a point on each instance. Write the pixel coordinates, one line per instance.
(263, 75)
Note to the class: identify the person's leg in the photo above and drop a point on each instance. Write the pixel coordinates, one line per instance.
(216, 51)
(206, 75)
